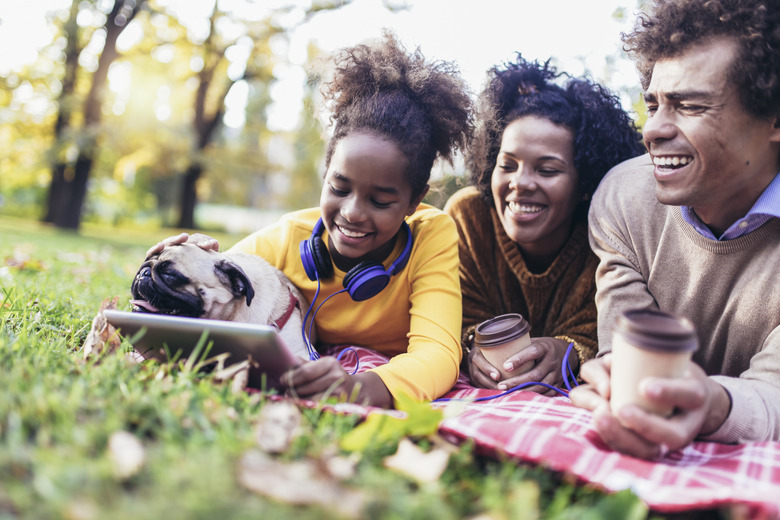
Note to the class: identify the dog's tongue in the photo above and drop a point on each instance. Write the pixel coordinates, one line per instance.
(145, 305)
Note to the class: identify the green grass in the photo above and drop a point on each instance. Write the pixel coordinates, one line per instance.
(57, 412)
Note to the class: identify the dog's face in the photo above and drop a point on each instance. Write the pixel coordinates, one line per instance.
(185, 280)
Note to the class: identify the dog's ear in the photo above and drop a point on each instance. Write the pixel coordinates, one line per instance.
(235, 278)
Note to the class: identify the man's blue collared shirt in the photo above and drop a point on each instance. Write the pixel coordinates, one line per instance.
(766, 207)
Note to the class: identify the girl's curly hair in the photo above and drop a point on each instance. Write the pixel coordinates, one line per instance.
(671, 26)
(604, 134)
(424, 107)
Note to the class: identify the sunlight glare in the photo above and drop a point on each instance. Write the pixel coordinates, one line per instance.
(120, 77)
(196, 63)
(238, 55)
(164, 53)
(162, 105)
(235, 104)
(131, 36)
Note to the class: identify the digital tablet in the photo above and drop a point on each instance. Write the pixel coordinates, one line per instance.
(157, 336)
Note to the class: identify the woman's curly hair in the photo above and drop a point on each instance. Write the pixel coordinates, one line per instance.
(604, 134)
(671, 26)
(424, 107)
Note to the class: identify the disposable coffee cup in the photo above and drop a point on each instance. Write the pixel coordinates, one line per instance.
(648, 343)
(502, 337)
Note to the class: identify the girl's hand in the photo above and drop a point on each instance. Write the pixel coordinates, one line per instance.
(327, 378)
(199, 239)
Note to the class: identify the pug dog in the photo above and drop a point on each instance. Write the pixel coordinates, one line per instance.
(186, 280)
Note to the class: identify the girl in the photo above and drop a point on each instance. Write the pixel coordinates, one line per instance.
(393, 114)
(538, 154)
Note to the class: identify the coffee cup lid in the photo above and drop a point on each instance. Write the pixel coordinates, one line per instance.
(501, 329)
(657, 330)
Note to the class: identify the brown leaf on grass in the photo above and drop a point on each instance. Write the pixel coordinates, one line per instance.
(102, 337)
(237, 374)
(278, 424)
(339, 466)
(127, 454)
(81, 509)
(23, 261)
(300, 483)
(416, 464)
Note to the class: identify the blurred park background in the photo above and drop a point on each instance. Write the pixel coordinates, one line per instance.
(200, 114)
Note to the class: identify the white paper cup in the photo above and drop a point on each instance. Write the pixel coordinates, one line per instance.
(502, 337)
(648, 343)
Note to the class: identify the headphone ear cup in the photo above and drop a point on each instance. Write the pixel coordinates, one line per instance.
(365, 280)
(321, 257)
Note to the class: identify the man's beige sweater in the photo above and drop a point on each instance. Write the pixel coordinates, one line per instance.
(650, 257)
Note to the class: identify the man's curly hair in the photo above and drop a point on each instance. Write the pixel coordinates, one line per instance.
(424, 107)
(672, 26)
(604, 134)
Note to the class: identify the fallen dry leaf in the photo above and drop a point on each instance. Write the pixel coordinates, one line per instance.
(22, 260)
(411, 461)
(339, 467)
(103, 336)
(81, 509)
(127, 453)
(299, 483)
(278, 424)
(237, 374)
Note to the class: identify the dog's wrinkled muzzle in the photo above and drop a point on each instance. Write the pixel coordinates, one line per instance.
(158, 288)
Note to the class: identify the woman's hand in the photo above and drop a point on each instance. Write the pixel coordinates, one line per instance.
(327, 378)
(203, 241)
(545, 353)
(481, 372)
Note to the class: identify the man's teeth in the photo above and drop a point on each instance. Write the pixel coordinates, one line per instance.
(515, 207)
(352, 234)
(675, 160)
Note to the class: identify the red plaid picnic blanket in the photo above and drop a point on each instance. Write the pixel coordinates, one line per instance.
(553, 433)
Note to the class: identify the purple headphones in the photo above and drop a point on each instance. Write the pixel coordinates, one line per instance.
(365, 280)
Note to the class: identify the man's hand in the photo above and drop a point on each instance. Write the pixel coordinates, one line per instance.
(203, 241)
(700, 407)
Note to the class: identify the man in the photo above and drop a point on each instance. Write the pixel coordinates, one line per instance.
(693, 228)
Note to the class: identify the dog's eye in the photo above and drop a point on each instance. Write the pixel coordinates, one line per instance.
(170, 275)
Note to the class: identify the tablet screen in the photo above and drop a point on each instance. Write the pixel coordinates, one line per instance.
(156, 336)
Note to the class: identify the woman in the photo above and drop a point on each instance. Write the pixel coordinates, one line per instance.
(539, 152)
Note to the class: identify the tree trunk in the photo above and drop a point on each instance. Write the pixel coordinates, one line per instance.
(69, 214)
(189, 196)
(65, 109)
(67, 195)
(55, 197)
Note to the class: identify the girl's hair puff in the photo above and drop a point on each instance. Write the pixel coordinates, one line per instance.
(604, 134)
(422, 106)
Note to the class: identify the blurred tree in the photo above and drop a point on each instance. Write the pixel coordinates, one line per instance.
(233, 51)
(68, 187)
(135, 101)
(215, 82)
(308, 148)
